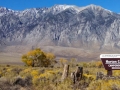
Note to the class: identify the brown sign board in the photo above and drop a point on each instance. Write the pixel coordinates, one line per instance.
(111, 61)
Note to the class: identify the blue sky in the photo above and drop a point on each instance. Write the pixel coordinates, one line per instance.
(113, 5)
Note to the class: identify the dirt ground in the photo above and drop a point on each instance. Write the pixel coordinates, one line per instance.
(10, 58)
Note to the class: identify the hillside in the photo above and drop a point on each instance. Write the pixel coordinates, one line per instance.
(91, 28)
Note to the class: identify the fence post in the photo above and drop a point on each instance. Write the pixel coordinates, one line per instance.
(77, 75)
(65, 72)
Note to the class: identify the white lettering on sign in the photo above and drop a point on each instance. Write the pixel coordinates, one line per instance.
(115, 67)
(110, 56)
(112, 65)
(111, 61)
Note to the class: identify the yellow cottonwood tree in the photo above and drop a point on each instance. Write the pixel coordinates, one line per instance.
(37, 58)
(50, 58)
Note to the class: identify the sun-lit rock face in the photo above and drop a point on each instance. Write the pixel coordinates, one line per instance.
(91, 27)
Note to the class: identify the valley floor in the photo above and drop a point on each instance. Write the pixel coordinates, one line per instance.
(10, 58)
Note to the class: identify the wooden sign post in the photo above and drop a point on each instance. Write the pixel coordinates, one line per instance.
(109, 72)
(110, 62)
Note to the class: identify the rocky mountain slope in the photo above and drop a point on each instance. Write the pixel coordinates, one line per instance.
(91, 27)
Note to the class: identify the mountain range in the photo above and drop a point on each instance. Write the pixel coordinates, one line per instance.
(88, 28)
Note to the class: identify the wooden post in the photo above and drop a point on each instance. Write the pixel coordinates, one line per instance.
(65, 72)
(79, 73)
(73, 77)
(109, 72)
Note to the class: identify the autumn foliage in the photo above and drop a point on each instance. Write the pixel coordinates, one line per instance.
(38, 58)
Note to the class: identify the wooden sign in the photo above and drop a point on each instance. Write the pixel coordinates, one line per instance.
(111, 61)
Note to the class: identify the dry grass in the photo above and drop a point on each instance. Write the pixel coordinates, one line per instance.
(16, 77)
